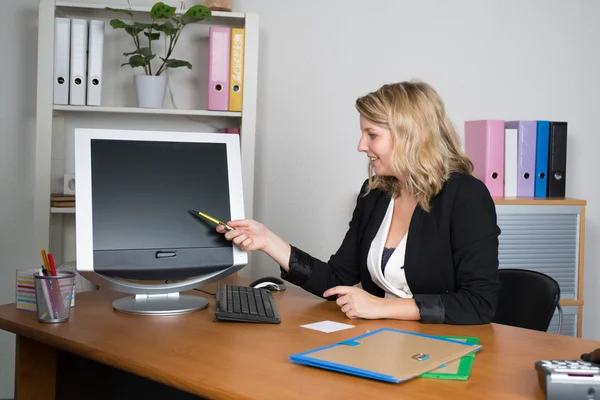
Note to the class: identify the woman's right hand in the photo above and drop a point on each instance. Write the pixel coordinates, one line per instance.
(247, 234)
(250, 235)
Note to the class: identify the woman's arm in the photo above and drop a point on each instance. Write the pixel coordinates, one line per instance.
(278, 249)
(297, 266)
(474, 237)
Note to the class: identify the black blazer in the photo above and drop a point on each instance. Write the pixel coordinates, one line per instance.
(451, 260)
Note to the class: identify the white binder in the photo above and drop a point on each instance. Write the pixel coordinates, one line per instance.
(95, 60)
(510, 162)
(79, 43)
(62, 48)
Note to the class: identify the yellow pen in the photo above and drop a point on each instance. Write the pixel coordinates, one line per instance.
(211, 219)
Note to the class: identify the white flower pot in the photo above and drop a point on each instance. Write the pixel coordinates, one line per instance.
(150, 90)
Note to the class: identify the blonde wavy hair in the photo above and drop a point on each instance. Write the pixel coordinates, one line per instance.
(426, 144)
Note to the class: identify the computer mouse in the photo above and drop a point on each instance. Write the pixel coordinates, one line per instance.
(269, 282)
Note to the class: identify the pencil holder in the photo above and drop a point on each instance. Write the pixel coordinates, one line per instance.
(53, 295)
(25, 289)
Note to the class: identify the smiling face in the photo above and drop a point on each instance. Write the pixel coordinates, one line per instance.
(377, 143)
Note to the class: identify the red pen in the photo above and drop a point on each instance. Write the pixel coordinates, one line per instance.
(52, 266)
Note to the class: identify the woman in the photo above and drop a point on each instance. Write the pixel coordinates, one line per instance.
(423, 239)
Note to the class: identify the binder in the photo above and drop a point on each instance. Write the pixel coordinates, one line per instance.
(62, 48)
(511, 144)
(94, 62)
(557, 159)
(386, 354)
(219, 44)
(526, 136)
(79, 43)
(236, 70)
(484, 144)
(541, 159)
(458, 369)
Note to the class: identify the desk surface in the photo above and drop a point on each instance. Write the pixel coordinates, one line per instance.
(250, 361)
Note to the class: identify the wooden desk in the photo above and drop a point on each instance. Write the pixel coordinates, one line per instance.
(224, 360)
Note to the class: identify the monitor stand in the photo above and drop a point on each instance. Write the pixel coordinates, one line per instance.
(160, 304)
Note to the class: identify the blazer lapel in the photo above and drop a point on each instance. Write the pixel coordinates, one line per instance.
(381, 206)
(413, 244)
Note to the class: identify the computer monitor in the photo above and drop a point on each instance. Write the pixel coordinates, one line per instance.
(134, 229)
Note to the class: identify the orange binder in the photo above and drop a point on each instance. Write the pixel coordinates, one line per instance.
(236, 70)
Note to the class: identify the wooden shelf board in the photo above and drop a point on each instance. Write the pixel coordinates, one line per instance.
(566, 303)
(136, 110)
(538, 201)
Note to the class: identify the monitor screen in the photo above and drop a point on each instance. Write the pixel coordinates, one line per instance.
(142, 189)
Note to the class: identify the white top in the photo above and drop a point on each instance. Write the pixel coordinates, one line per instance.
(394, 281)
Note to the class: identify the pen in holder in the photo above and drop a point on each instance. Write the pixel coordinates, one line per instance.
(53, 295)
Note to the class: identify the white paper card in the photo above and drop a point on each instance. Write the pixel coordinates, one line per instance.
(327, 326)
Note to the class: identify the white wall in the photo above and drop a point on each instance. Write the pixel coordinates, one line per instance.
(503, 59)
(17, 118)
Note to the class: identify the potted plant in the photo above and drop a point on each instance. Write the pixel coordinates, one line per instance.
(152, 84)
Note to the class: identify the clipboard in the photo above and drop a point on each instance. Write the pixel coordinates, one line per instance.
(458, 369)
(387, 354)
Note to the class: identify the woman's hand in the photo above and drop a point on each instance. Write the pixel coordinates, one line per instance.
(250, 235)
(356, 303)
(247, 234)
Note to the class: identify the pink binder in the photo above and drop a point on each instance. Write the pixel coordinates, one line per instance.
(526, 136)
(484, 144)
(218, 68)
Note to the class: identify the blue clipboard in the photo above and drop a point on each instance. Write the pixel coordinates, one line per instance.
(387, 354)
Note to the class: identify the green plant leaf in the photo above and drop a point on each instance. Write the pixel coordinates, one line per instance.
(177, 63)
(137, 61)
(118, 24)
(195, 14)
(160, 11)
(167, 28)
(128, 12)
(152, 36)
(143, 51)
(133, 30)
(142, 26)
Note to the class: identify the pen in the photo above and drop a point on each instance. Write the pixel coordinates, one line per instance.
(211, 219)
(52, 265)
(45, 260)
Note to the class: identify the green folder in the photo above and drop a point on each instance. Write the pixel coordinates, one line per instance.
(456, 370)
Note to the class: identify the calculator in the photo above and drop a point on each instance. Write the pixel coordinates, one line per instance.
(569, 379)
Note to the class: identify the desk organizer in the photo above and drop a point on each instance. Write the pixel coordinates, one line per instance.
(25, 290)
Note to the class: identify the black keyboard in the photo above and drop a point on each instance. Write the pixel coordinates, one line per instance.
(245, 304)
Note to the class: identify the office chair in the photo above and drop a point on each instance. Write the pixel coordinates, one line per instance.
(528, 300)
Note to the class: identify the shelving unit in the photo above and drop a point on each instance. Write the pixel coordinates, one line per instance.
(54, 227)
(547, 235)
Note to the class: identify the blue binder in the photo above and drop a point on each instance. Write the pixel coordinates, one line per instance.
(541, 159)
(387, 354)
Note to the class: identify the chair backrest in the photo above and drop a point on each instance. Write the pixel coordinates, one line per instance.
(528, 299)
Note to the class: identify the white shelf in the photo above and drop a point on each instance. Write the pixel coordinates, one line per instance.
(62, 210)
(70, 9)
(135, 110)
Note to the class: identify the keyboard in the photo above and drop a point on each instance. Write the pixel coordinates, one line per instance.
(245, 304)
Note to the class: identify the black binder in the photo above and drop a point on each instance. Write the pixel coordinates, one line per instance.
(557, 159)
